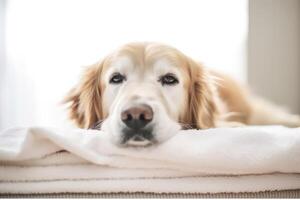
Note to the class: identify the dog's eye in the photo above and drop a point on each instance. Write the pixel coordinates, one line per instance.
(117, 78)
(168, 79)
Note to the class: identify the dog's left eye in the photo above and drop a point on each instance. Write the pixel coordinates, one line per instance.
(168, 79)
(117, 78)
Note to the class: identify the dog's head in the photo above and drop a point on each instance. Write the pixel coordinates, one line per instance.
(143, 94)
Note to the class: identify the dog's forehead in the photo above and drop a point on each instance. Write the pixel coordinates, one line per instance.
(123, 63)
(164, 65)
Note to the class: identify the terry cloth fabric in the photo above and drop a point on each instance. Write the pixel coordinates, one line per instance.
(233, 160)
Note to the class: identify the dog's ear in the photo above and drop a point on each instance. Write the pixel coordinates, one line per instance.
(85, 100)
(202, 109)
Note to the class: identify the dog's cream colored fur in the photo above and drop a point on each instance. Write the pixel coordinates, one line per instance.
(209, 99)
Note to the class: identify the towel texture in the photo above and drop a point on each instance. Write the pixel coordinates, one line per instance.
(247, 159)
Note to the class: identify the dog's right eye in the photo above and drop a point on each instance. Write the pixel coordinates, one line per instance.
(117, 78)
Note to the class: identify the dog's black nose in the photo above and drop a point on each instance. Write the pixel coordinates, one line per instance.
(137, 117)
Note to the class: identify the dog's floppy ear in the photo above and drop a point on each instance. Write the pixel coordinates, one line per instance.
(86, 98)
(202, 109)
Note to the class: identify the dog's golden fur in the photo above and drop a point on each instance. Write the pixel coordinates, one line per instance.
(213, 99)
(85, 108)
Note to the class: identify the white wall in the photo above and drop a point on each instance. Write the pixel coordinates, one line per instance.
(48, 42)
(274, 51)
(2, 58)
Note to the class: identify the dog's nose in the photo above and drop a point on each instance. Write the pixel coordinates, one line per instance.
(137, 117)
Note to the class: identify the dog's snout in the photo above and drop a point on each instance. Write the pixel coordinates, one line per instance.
(137, 117)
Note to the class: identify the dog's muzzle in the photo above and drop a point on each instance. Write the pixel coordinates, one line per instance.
(138, 131)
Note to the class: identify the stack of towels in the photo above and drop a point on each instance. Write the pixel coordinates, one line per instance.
(246, 159)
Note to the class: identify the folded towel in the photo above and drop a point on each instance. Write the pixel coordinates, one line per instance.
(247, 159)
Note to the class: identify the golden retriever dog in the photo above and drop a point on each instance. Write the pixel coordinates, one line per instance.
(143, 93)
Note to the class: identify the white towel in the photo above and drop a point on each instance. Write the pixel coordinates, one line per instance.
(247, 159)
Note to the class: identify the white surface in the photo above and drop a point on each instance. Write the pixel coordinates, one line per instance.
(215, 160)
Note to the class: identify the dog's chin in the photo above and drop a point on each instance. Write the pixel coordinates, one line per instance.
(134, 144)
(144, 143)
(118, 140)
(143, 139)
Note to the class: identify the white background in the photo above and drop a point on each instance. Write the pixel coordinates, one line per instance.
(47, 43)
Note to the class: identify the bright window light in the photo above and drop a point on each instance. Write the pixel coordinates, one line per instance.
(48, 42)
